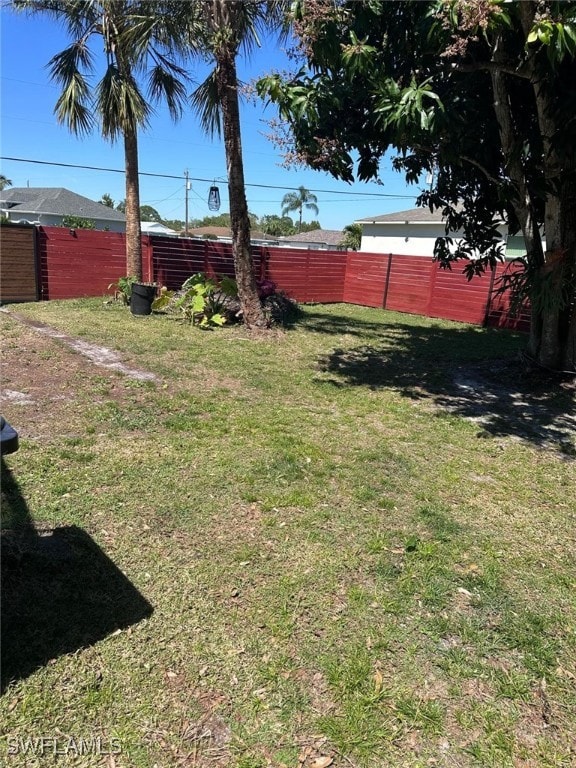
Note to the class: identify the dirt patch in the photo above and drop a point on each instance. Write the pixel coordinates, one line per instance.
(45, 382)
(101, 356)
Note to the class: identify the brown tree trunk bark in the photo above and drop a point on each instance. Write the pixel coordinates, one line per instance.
(553, 326)
(556, 322)
(227, 81)
(133, 234)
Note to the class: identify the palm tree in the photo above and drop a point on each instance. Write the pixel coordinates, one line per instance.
(352, 237)
(4, 182)
(138, 38)
(228, 27)
(296, 201)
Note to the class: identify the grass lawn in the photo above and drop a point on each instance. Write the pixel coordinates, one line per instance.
(301, 550)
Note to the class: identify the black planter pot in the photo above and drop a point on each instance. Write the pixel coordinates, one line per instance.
(141, 299)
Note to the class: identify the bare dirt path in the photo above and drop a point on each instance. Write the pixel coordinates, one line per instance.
(101, 356)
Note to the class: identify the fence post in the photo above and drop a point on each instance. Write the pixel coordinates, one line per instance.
(387, 283)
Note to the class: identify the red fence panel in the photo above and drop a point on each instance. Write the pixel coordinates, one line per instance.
(410, 284)
(455, 298)
(80, 262)
(366, 276)
(175, 259)
(499, 313)
(308, 275)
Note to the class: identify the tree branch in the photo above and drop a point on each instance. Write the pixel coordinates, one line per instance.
(484, 170)
(491, 66)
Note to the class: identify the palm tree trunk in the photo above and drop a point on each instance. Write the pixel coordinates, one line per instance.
(133, 235)
(227, 82)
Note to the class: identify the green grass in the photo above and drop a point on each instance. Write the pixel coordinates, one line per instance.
(306, 552)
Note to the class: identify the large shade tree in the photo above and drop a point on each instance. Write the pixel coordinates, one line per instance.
(231, 27)
(297, 201)
(482, 92)
(138, 39)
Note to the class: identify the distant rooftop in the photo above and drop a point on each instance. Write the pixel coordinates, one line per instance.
(223, 232)
(58, 201)
(411, 216)
(324, 236)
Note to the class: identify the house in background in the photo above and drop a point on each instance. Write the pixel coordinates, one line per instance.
(49, 205)
(156, 228)
(224, 234)
(316, 239)
(414, 233)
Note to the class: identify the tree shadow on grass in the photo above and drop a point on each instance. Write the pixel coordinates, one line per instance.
(332, 324)
(60, 592)
(472, 372)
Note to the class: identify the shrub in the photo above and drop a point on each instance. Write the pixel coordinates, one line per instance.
(201, 300)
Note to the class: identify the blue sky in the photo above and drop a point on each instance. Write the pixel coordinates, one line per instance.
(29, 130)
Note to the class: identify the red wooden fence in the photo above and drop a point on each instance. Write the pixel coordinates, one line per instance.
(75, 263)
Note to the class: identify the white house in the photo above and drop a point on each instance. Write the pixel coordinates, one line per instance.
(49, 205)
(414, 233)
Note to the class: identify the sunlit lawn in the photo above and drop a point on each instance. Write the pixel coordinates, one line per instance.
(319, 557)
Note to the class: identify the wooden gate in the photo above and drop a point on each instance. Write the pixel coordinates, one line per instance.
(18, 263)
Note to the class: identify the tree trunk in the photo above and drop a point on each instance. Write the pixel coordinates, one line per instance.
(227, 82)
(552, 339)
(133, 235)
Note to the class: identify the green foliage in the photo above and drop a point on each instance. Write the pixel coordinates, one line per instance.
(77, 222)
(175, 224)
(201, 300)
(480, 94)
(106, 200)
(352, 237)
(123, 289)
(276, 225)
(147, 213)
(310, 226)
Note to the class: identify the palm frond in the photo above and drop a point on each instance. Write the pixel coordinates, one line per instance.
(72, 111)
(120, 103)
(206, 104)
(64, 66)
(162, 84)
(72, 106)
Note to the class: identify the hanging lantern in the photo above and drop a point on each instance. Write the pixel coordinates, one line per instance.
(214, 199)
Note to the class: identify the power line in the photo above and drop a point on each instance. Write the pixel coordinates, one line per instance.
(208, 181)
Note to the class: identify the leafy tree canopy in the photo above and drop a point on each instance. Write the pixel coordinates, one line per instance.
(147, 213)
(277, 226)
(482, 93)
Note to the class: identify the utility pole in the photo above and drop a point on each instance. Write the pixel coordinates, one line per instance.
(187, 187)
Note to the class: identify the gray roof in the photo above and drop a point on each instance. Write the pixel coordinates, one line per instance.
(325, 236)
(56, 201)
(412, 216)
